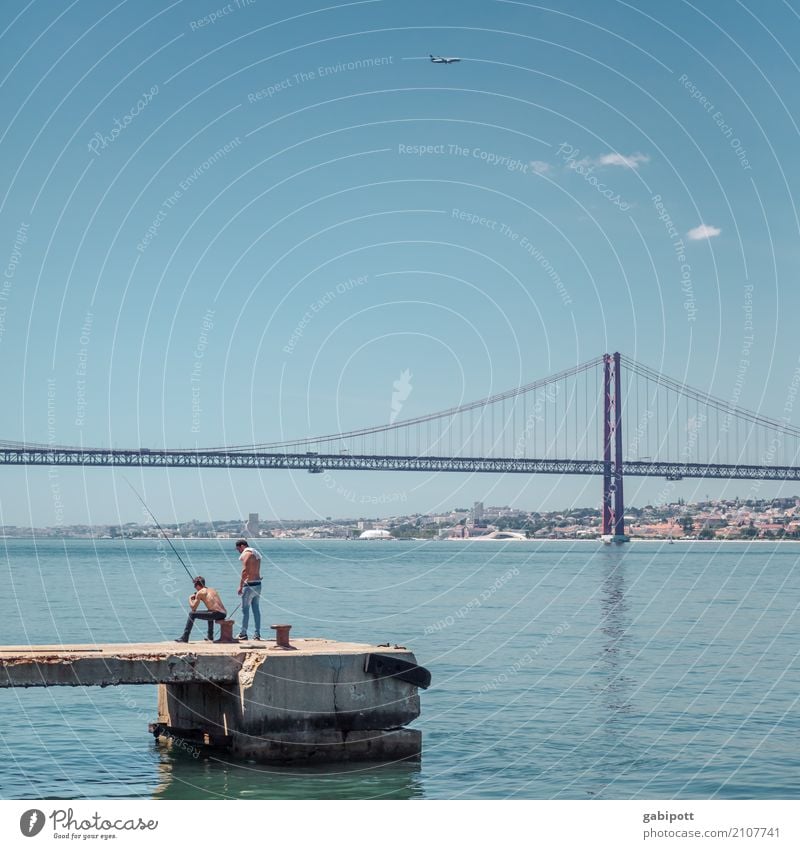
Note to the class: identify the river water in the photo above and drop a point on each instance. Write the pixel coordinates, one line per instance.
(560, 669)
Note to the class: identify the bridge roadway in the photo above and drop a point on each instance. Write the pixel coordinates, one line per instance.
(317, 463)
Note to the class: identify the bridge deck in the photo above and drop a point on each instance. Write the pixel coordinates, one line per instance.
(104, 665)
(143, 458)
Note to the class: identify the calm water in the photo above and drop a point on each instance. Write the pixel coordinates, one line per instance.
(560, 670)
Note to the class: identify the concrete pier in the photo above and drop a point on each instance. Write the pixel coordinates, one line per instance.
(313, 702)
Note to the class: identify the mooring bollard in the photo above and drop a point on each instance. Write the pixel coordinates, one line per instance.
(282, 635)
(226, 631)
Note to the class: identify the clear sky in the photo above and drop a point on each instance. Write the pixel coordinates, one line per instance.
(183, 182)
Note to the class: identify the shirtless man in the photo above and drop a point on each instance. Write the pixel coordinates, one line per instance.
(210, 598)
(250, 587)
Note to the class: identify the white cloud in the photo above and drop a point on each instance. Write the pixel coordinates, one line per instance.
(703, 231)
(539, 167)
(632, 161)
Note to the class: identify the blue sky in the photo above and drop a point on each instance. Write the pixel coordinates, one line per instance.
(183, 182)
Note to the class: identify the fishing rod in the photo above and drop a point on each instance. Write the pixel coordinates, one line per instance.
(191, 577)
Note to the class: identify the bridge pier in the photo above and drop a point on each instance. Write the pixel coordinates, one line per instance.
(317, 701)
(613, 499)
(304, 709)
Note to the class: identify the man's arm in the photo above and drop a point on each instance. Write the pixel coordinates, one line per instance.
(196, 598)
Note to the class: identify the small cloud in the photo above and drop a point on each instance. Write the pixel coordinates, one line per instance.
(703, 231)
(632, 161)
(539, 167)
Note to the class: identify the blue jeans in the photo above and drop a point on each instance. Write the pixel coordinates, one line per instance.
(251, 595)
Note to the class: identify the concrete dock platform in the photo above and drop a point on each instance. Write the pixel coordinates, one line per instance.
(316, 701)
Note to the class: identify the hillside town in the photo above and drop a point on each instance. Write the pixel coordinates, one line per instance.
(768, 519)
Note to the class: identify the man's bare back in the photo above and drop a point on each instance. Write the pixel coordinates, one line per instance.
(251, 567)
(210, 598)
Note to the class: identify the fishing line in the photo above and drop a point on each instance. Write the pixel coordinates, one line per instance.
(191, 577)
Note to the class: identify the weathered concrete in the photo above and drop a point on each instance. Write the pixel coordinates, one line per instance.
(299, 706)
(295, 693)
(108, 665)
(147, 663)
(258, 700)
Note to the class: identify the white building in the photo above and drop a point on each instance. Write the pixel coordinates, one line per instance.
(375, 534)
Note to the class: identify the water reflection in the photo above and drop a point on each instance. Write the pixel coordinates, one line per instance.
(180, 776)
(615, 650)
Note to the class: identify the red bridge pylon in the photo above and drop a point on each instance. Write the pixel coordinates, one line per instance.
(613, 500)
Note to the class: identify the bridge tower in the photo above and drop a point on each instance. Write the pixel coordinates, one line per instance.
(613, 500)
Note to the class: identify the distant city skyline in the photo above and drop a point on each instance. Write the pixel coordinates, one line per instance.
(774, 519)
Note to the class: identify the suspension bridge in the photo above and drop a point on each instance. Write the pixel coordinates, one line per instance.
(569, 423)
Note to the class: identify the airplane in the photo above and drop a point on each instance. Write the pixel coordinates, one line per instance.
(443, 60)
